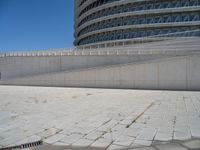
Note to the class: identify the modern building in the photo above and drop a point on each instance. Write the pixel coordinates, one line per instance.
(101, 23)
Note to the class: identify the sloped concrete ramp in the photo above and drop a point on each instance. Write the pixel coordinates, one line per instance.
(179, 73)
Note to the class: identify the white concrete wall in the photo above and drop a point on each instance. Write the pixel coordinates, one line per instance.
(177, 73)
(12, 67)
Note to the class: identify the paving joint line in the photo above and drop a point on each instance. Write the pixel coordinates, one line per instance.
(127, 126)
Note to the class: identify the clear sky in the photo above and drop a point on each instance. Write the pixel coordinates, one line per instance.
(36, 24)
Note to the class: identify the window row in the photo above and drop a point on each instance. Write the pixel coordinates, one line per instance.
(130, 34)
(96, 4)
(123, 21)
(82, 2)
(140, 6)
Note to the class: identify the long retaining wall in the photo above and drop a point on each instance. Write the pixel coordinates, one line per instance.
(20, 66)
(178, 73)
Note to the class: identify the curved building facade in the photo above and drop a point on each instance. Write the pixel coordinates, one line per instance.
(106, 21)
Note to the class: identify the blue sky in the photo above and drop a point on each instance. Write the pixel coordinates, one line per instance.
(36, 24)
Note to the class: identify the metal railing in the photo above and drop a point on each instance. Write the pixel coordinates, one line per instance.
(104, 52)
(174, 43)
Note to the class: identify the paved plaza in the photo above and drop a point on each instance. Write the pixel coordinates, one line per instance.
(78, 118)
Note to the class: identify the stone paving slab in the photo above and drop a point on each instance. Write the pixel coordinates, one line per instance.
(76, 118)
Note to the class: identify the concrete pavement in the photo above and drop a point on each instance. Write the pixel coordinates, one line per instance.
(99, 118)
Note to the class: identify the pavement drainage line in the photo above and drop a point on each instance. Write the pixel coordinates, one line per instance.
(23, 146)
(128, 125)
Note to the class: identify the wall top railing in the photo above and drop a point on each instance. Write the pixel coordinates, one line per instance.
(175, 46)
(166, 51)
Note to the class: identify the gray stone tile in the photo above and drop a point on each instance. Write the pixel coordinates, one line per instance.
(193, 144)
(140, 143)
(119, 128)
(124, 140)
(61, 144)
(116, 147)
(82, 143)
(138, 125)
(108, 126)
(10, 141)
(101, 143)
(50, 147)
(71, 138)
(195, 132)
(54, 138)
(48, 132)
(112, 135)
(181, 136)
(133, 132)
(146, 134)
(123, 143)
(30, 139)
(161, 136)
(94, 135)
(143, 148)
(171, 147)
(84, 130)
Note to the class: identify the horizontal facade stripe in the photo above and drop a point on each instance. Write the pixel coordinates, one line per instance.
(141, 26)
(127, 40)
(144, 34)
